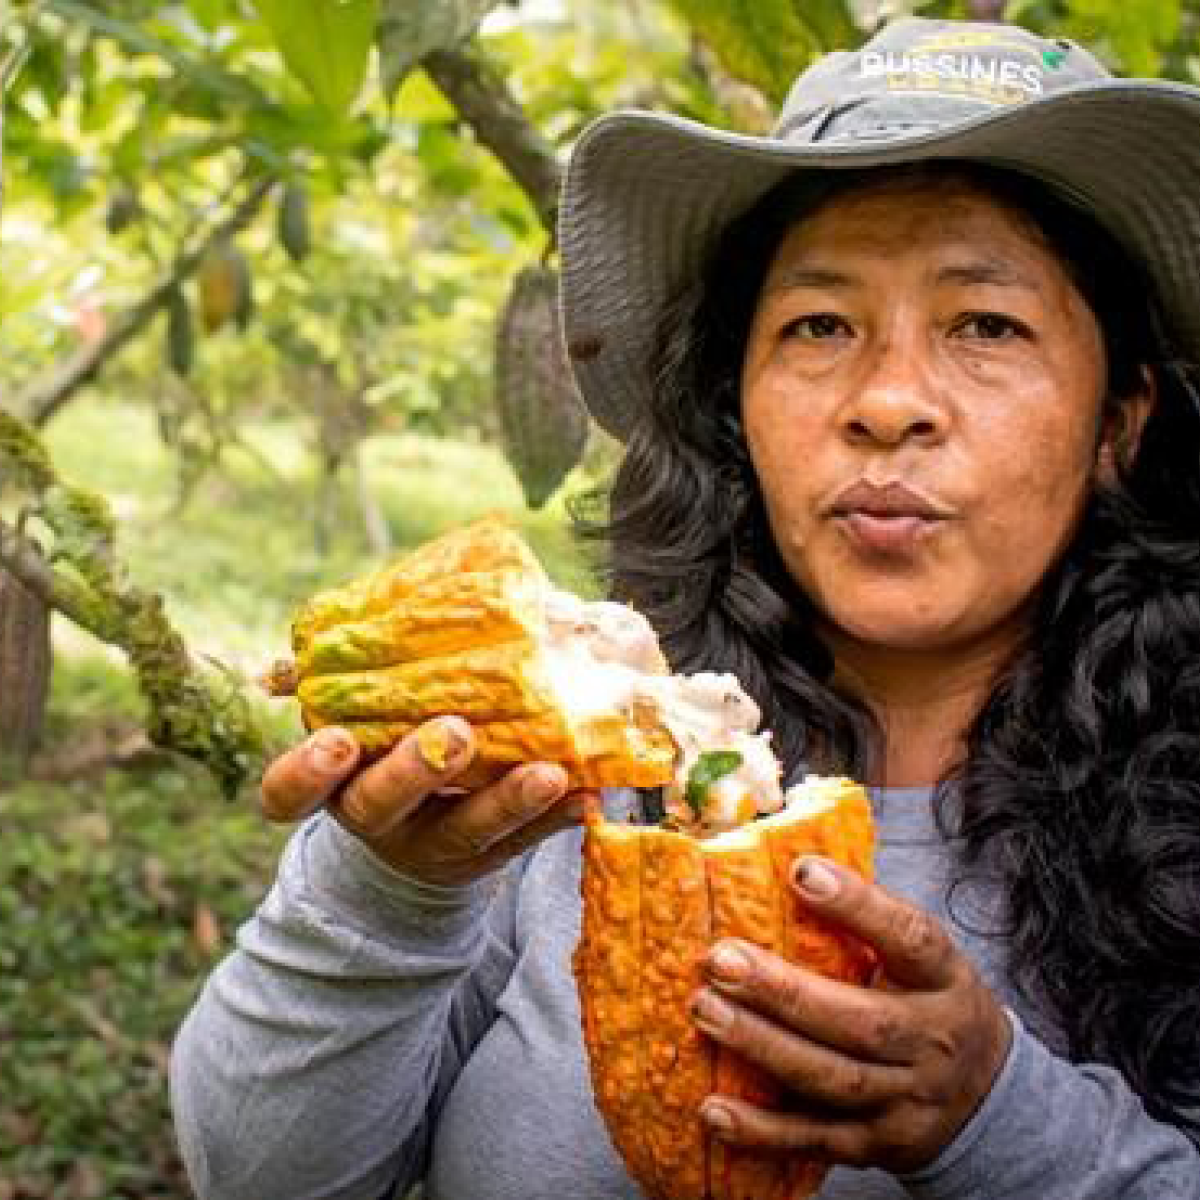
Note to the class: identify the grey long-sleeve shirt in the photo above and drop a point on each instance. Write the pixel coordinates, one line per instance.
(370, 1031)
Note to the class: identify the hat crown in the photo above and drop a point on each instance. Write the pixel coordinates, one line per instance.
(918, 74)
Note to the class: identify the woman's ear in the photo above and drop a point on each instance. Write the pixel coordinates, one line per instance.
(1121, 432)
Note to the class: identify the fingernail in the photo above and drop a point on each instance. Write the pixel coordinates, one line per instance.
(541, 785)
(728, 963)
(439, 743)
(816, 880)
(330, 749)
(718, 1118)
(711, 1012)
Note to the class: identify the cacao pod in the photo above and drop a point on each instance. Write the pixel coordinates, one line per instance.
(543, 421)
(294, 230)
(460, 626)
(180, 339)
(654, 900)
(223, 280)
(122, 210)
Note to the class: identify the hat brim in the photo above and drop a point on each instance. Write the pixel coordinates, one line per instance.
(647, 194)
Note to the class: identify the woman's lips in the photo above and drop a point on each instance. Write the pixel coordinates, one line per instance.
(890, 518)
(887, 533)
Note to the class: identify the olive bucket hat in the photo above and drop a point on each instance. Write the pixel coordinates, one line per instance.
(647, 194)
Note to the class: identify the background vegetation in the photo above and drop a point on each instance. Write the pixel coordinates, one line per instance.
(257, 269)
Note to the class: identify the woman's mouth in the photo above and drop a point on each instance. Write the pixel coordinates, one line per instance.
(891, 518)
(887, 533)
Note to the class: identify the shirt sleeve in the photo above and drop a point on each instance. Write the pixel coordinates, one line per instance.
(313, 1063)
(1054, 1128)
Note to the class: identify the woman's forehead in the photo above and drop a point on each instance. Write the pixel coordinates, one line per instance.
(896, 217)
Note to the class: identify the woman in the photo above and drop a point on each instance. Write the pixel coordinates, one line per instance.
(912, 450)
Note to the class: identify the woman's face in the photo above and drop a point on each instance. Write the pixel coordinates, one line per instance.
(922, 403)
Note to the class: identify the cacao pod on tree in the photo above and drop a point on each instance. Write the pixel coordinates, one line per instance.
(223, 280)
(122, 210)
(295, 233)
(181, 342)
(543, 421)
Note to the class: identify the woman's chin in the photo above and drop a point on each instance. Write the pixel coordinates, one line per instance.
(895, 629)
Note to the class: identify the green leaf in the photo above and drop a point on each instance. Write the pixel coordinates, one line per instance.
(441, 153)
(1137, 31)
(208, 13)
(769, 42)
(418, 100)
(408, 31)
(205, 74)
(325, 43)
(709, 767)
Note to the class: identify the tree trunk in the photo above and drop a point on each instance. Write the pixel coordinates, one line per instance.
(24, 672)
(24, 617)
(986, 10)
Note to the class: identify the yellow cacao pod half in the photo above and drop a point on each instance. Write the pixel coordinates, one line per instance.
(469, 625)
(654, 901)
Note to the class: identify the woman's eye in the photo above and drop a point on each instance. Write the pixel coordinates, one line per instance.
(815, 326)
(990, 327)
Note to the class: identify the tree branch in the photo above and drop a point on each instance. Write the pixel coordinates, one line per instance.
(190, 710)
(22, 559)
(483, 99)
(45, 396)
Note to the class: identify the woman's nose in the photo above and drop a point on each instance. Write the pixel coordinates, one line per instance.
(896, 402)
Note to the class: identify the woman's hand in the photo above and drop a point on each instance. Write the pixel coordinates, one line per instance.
(882, 1077)
(399, 807)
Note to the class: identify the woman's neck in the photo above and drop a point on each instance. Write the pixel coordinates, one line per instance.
(924, 703)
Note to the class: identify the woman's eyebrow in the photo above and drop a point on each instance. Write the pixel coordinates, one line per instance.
(812, 277)
(987, 271)
(994, 271)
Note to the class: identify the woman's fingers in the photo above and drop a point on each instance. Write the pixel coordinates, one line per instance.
(456, 837)
(300, 780)
(914, 949)
(843, 1141)
(478, 823)
(564, 813)
(871, 1025)
(388, 791)
(815, 1071)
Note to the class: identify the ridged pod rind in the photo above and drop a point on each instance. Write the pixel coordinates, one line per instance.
(454, 628)
(653, 903)
(487, 545)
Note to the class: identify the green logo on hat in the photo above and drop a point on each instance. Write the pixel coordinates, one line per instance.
(1053, 58)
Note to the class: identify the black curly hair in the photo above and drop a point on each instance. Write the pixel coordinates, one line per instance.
(1080, 787)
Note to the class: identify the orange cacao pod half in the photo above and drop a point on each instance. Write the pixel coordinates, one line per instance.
(654, 901)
